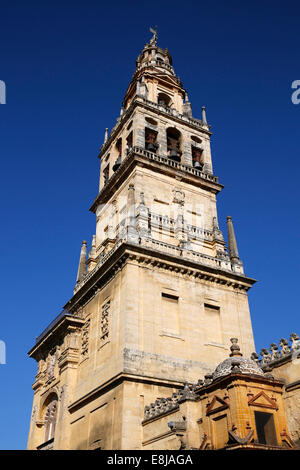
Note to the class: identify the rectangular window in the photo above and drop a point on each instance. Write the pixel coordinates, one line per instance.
(212, 324)
(265, 428)
(170, 314)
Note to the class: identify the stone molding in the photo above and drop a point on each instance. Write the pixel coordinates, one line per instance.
(142, 157)
(124, 252)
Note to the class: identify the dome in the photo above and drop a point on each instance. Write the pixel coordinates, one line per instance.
(244, 366)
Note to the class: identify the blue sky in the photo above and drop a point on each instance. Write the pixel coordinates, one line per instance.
(66, 66)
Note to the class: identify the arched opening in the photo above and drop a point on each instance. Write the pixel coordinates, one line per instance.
(196, 139)
(106, 174)
(151, 121)
(119, 146)
(164, 99)
(197, 157)
(151, 140)
(119, 153)
(174, 144)
(50, 410)
(129, 141)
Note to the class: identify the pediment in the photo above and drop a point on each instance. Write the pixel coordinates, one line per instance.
(263, 400)
(167, 78)
(217, 404)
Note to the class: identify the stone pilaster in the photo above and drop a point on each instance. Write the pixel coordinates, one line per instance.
(142, 219)
(132, 233)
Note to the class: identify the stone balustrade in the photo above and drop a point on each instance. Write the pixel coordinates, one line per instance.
(174, 113)
(165, 405)
(173, 164)
(277, 352)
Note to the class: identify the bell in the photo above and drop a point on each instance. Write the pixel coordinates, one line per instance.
(174, 155)
(117, 164)
(151, 147)
(197, 165)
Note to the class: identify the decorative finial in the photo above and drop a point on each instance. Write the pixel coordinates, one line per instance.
(294, 338)
(232, 245)
(82, 262)
(92, 252)
(204, 115)
(215, 223)
(234, 348)
(106, 135)
(153, 40)
(255, 357)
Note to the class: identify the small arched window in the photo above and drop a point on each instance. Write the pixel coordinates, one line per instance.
(164, 99)
(119, 146)
(151, 140)
(174, 144)
(197, 157)
(129, 140)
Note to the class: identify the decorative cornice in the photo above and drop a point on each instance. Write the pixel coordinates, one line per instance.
(59, 329)
(114, 261)
(293, 386)
(235, 379)
(116, 380)
(142, 157)
(148, 256)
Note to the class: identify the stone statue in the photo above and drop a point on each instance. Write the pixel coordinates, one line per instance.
(153, 40)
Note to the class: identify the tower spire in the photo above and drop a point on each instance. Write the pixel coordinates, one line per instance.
(82, 262)
(131, 224)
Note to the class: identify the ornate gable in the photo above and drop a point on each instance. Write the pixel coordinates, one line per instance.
(217, 404)
(262, 400)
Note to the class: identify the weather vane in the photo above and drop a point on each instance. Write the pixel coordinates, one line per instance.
(153, 40)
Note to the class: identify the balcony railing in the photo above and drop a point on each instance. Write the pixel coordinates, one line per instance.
(165, 221)
(173, 164)
(180, 252)
(160, 159)
(173, 112)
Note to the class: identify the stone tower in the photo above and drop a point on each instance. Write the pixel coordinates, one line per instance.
(158, 296)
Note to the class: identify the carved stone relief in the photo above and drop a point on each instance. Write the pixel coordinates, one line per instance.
(85, 339)
(104, 323)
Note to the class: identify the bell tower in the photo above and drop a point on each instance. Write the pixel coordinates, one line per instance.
(158, 295)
